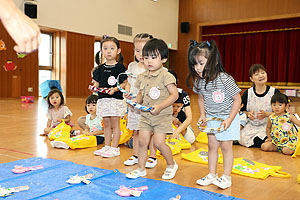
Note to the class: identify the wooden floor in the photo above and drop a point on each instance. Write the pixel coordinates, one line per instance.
(21, 125)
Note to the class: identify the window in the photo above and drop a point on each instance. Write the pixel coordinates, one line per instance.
(45, 58)
(97, 47)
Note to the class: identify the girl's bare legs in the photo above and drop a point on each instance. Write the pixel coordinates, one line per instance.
(144, 139)
(135, 142)
(268, 146)
(115, 124)
(107, 130)
(226, 147)
(152, 148)
(287, 151)
(160, 144)
(213, 155)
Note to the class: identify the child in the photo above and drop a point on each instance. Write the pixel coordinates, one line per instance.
(93, 133)
(157, 89)
(137, 67)
(183, 112)
(280, 127)
(57, 111)
(256, 105)
(218, 96)
(110, 105)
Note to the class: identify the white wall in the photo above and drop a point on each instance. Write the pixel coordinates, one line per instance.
(99, 17)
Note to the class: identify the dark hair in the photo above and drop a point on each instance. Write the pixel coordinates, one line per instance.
(92, 99)
(141, 37)
(255, 68)
(53, 91)
(98, 58)
(155, 47)
(180, 98)
(213, 66)
(279, 97)
(116, 41)
(171, 71)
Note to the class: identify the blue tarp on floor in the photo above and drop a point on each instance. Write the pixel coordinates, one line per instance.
(50, 183)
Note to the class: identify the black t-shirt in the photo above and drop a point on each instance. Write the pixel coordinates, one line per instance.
(106, 76)
(181, 116)
(245, 96)
(186, 98)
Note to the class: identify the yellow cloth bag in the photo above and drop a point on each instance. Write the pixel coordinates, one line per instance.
(174, 146)
(126, 134)
(297, 151)
(200, 156)
(202, 138)
(184, 144)
(62, 130)
(79, 141)
(245, 167)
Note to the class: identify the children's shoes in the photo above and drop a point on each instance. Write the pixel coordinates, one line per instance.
(223, 182)
(131, 161)
(99, 152)
(111, 152)
(207, 180)
(151, 163)
(59, 144)
(136, 173)
(170, 172)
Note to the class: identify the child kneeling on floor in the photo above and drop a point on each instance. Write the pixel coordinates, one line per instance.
(93, 133)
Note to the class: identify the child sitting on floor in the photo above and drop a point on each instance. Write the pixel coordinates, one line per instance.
(281, 134)
(93, 133)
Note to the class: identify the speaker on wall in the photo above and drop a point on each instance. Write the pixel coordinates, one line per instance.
(185, 27)
(30, 9)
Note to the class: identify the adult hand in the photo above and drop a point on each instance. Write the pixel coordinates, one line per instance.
(250, 115)
(261, 114)
(21, 28)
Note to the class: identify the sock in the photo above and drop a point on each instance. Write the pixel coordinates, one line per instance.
(114, 148)
(153, 158)
(135, 156)
(227, 177)
(214, 175)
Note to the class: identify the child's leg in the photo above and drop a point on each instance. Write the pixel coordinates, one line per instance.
(268, 146)
(213, 155)
(144, 139)
(160, 144)
(226, 147)
(107, 130)
(115, 124)
(152, 161)
(135, 142)
(287, 151)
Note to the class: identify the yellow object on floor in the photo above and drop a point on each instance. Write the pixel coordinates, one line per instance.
(202, 138)
(62, 130)
(126, 134)
(298, 178)
(200, 156)
(297, 151)
(246, 167)
(79, 141)
(174, 145)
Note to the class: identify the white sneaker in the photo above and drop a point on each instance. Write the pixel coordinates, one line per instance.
(222, 182)
(59, 144)
(136, 173)
(170, 172)
(111, 152)
(131, 161)
(207, 180)
(102, 150)
(151, 163)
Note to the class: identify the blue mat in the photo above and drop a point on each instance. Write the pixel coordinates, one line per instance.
(50, 183)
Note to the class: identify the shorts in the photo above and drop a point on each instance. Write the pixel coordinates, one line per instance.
(189, 135)
(133, 119)
(231, 133)
(110, 107)
(156, 124)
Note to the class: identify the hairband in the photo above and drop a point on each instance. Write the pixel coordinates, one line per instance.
(208, 44)
(105, 36)
(193, 43)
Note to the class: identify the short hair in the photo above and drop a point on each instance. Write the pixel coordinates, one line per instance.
(155, 47)
(180, 98)
(171, 71)
(279, 97)
(53, 91)
(255, 68)
(116, 41)
(92, 99)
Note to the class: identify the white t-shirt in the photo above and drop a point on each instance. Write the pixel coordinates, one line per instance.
(95, 124)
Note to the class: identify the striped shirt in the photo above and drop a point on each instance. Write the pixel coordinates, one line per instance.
(218, 95)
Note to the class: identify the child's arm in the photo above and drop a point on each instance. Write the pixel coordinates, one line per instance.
(116, 89)
(100, 132)
(268, 130)
(139, 98)
(49, 122)
(182, 126)
(234, 110)
(66, 119)
(167, 102)
(294, 120)
(201, 109)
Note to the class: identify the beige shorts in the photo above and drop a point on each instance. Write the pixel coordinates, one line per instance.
(156, 124)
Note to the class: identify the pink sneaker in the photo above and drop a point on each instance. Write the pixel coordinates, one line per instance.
(111, 152)
(99, 152)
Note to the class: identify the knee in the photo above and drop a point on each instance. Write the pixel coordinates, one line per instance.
(287, 151)
(266, 146)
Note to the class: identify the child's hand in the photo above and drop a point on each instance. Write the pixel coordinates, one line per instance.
(112, 91)
(127, 96)
(176, 121)
(95, 83)
(59, 119)
(175, 135)
(268, 140)
(202, 120)
(226, 123)
(155, 110)
(261, 114)
(251, 115)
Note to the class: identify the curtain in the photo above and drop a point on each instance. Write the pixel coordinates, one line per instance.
(274, 44)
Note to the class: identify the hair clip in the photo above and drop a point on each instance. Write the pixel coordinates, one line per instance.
(193, 43)
(105, 36)
(208, 44)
